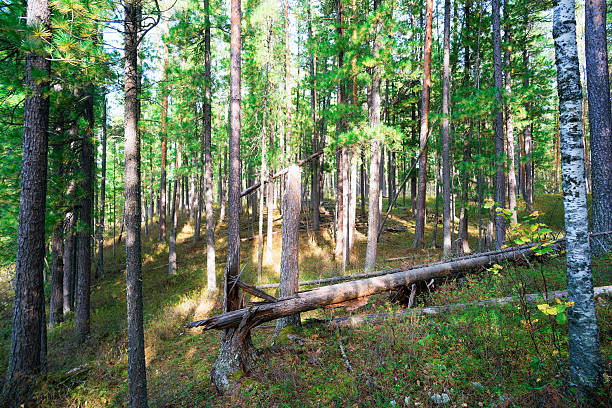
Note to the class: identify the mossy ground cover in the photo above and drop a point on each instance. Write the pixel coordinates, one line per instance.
(488, 356)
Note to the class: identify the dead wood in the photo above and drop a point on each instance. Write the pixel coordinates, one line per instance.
(346, 291)
(279, 173)
(432, 310)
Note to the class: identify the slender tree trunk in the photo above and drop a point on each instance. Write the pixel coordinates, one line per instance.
(57, 270)
(527, 131)
(373, 203)
(419, 234)
(585, 359)
(68, 265)
(137, 378)
(85, 230)
(208, 176)
(164, 143)
(174, 213)
(446, 173)
(103, 193)
(314, 180)
(236, 351)
(289, 271)
(509, 116)
(600, 118)
(500, 178)
(288, 103)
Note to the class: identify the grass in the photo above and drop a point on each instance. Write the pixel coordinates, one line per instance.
(491, 356)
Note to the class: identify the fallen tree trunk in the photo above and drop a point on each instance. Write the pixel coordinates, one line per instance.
(378, 317)
(279, 173)
(250, 317)
(335, 279)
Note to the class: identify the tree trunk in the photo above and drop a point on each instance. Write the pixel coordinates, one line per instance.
(446, 173)
(314, 180)
(164, 143)
(174, 210)
(289, 271)
(419, 232)
(500, 178)
(85, 230)
(236, 351)
(373, 202)
(585, 360)
(527, 131)
(103, 193)
(67, 290)
(509, 116)
(27, 351)
(600, 118)
(57, 271)
(208, 177)
(137, 378)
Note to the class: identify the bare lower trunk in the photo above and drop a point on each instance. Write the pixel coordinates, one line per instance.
(236, 351)
(289, 258)
(446, 165)
(509, 119)
(137, 378)
(500, 178)
(85, 230)
(57, 271)
(419, 233)
(375, 154)
(600, 119)
(585, 360)
(208, 169)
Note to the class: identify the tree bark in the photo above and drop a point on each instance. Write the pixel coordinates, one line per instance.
(164, 143)
(26, 353)
(57, 270)
(236, 351)
(289, 271)
(446, 172)
(137, 378)
(500, 177)
(419, 232)
(174, 213)
(103, 193)
(85, 230)
(600, 117)
(509, 116)
(208, 177)
(374, 190)
(314, 180)
(584, 361)
(343, 292)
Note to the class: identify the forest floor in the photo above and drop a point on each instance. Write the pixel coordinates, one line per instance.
(474, 357)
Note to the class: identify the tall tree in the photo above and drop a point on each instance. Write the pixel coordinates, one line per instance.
(374, 190)
(85, 214)
(419, 232)
(236, 350)
(509, 115)
(163, 201)
(585, 359)
(103, 192)
(314, 180)
(27, 357)
(137, 375)
(600, 117)
(500, 178)
(446, 165)
(208, 181)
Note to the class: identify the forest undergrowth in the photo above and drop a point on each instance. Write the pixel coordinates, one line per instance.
(498, 356)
